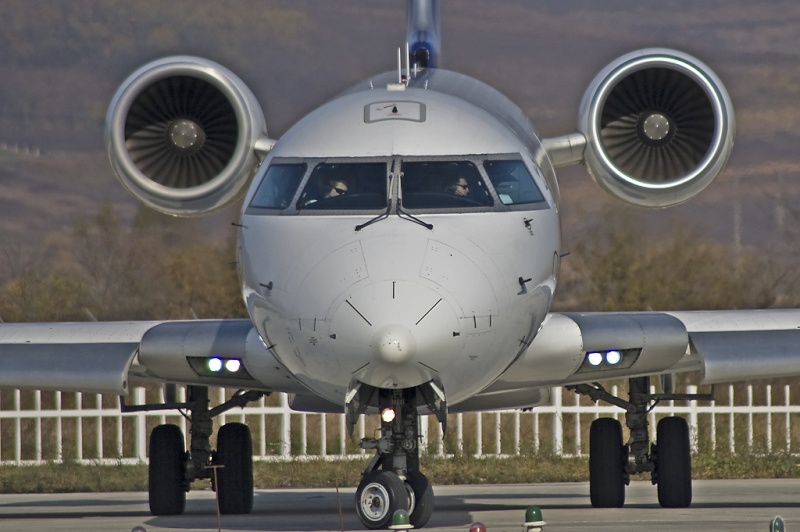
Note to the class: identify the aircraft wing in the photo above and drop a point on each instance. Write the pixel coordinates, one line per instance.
(723, 346)
(109, 357)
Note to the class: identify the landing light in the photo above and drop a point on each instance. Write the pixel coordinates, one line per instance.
(214, 364)
(613, 357)
(594, 361)
(387, 415)
(595, 358)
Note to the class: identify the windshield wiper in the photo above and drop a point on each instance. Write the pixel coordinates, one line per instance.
(376, 219)
(384, 214)
(403, 215)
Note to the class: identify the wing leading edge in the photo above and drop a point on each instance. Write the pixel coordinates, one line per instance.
(108, 357)
(724, 346)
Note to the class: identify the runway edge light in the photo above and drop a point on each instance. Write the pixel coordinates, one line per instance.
(401, 520)
(534, 522)
(777, 525)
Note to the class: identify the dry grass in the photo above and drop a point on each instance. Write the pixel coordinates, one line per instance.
(74, 477)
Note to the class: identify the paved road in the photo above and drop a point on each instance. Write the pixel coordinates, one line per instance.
(724, 505)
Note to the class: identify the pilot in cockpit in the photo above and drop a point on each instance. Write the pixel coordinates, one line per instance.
(459, 186)
(336, 187)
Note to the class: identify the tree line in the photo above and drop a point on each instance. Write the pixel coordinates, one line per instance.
(158, 267)
(103, 269)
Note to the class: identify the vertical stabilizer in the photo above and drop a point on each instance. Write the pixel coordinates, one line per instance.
(423, 34)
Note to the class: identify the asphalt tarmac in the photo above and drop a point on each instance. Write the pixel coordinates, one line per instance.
(724, 505)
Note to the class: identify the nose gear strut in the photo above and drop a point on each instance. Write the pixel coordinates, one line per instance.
(392, 480)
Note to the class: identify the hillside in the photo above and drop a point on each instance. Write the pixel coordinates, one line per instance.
(62, 62)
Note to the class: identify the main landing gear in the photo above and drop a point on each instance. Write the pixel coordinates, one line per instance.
(173, 468)
(612, 462)
(392, 481)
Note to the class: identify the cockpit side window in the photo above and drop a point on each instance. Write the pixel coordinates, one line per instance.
(345, 186)
(279, 186)
(512, 182)
(443, 185)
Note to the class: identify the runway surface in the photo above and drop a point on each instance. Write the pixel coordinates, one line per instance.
(718, 505)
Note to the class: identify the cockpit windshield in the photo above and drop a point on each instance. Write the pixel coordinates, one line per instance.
(458, 184)
(278, 186)
(512, 182)
(443, 185)
(345, 186)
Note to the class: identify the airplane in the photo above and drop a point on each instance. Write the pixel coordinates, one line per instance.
(398, 251)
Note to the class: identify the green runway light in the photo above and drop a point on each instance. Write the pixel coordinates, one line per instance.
(401, 521)
(777, 525)
(534, 522)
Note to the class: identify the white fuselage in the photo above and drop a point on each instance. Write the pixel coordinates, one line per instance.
(395, 303)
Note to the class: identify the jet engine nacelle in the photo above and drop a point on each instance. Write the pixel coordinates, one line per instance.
(658, 126)
(181, 133)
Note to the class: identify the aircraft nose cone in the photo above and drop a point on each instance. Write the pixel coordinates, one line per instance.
(394, 344)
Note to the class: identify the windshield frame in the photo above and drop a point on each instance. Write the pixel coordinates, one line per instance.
(394, 168)
(477, 161)
(312, 164)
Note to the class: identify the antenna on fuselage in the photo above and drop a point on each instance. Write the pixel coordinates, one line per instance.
(402, 79)
(399, 66)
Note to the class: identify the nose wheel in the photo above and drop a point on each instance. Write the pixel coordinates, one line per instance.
(392, 481)
(378, 496)
(420, 508)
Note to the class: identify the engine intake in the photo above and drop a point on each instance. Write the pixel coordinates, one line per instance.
(181, 135)
(659, 127)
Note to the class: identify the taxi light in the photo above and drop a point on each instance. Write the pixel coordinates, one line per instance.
(387, 415)
(595, 358)
(233, 365)
(613, 357)
(214, 364)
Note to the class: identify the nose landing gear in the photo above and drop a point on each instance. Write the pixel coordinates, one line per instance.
(392, 480)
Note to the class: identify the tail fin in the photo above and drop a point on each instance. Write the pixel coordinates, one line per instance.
(423, 34)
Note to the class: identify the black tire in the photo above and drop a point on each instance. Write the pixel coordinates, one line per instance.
(378, 496)
(166, 481)
(673, 463)
(606, 464)
(235, 479)
(422, 508)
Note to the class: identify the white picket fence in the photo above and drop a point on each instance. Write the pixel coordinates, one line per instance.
(93, 430)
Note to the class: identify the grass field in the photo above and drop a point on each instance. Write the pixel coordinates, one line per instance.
(75, 477)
